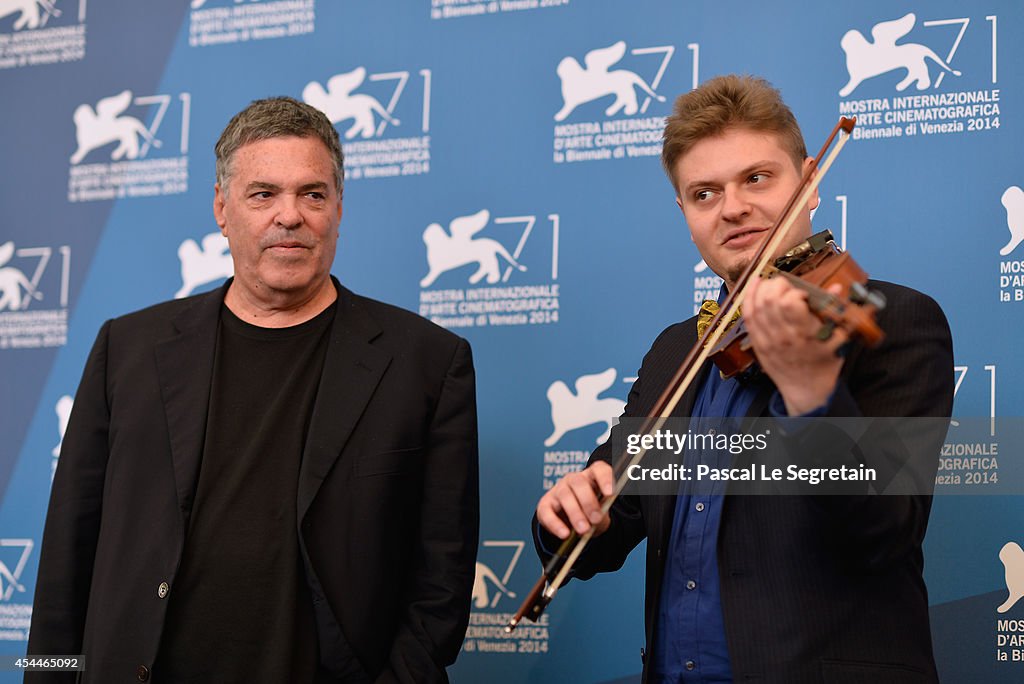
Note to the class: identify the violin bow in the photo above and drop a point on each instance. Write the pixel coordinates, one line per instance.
(569, 551)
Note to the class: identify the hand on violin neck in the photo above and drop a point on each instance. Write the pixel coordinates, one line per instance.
(785, 337)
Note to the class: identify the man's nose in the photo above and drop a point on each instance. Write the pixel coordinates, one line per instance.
(288, 214)
(735, 205)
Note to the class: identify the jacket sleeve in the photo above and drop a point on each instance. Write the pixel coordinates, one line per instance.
(73, 521)
(628, 528)
(441, 582)
(609, 551)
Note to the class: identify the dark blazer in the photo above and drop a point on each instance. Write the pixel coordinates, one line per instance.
(387, 500)
(814, 588)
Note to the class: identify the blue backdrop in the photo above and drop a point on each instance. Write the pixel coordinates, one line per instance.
(503, 179)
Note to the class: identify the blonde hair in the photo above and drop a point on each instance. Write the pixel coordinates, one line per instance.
(728, 102)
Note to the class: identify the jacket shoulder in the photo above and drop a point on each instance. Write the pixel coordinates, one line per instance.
(166, 310)
(902, 300)
(394, 320)
(158, 317)
(674, 342)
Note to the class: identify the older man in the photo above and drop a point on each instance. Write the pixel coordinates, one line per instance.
(275, 481)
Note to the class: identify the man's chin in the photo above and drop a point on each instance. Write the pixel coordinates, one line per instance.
(290, 282)
(733, 273)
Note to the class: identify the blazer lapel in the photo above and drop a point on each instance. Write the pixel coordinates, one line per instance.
(185, 368)
(352, 370)
(664, 507)
(765, 391)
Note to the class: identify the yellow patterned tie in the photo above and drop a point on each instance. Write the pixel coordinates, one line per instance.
(707, 311)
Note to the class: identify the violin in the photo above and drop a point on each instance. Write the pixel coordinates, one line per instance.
(813, 266)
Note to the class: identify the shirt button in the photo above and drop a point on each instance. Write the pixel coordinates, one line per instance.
(163, 590)
(142, 673)
(691, 585)
(690, 665)
(699, 507)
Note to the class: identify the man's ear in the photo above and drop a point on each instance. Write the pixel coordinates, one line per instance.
(218, 209)
(813, 202)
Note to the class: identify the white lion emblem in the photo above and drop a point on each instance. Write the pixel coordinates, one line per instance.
(571, 411)
(1013, 202)
(96, 129)
(446, 253)
(12, 281)
(29, 9)
(866, 60)
(581, 85)
(201, 266)
(1013, 561)
(339, 104)
(481, 596)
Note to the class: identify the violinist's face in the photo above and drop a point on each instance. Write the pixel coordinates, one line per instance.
(732, 188)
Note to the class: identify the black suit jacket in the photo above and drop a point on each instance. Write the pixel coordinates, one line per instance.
(387, 498)
(814, 588)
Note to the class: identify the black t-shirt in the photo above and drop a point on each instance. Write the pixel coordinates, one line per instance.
(240, 608)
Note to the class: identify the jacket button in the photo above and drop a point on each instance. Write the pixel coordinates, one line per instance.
(142, 673)
(163, 590)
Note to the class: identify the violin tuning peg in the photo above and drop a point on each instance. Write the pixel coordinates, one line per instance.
(858, 293)
(862, 296)
(876, 299)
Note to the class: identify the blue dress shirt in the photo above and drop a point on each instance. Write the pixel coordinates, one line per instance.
(690, 644)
